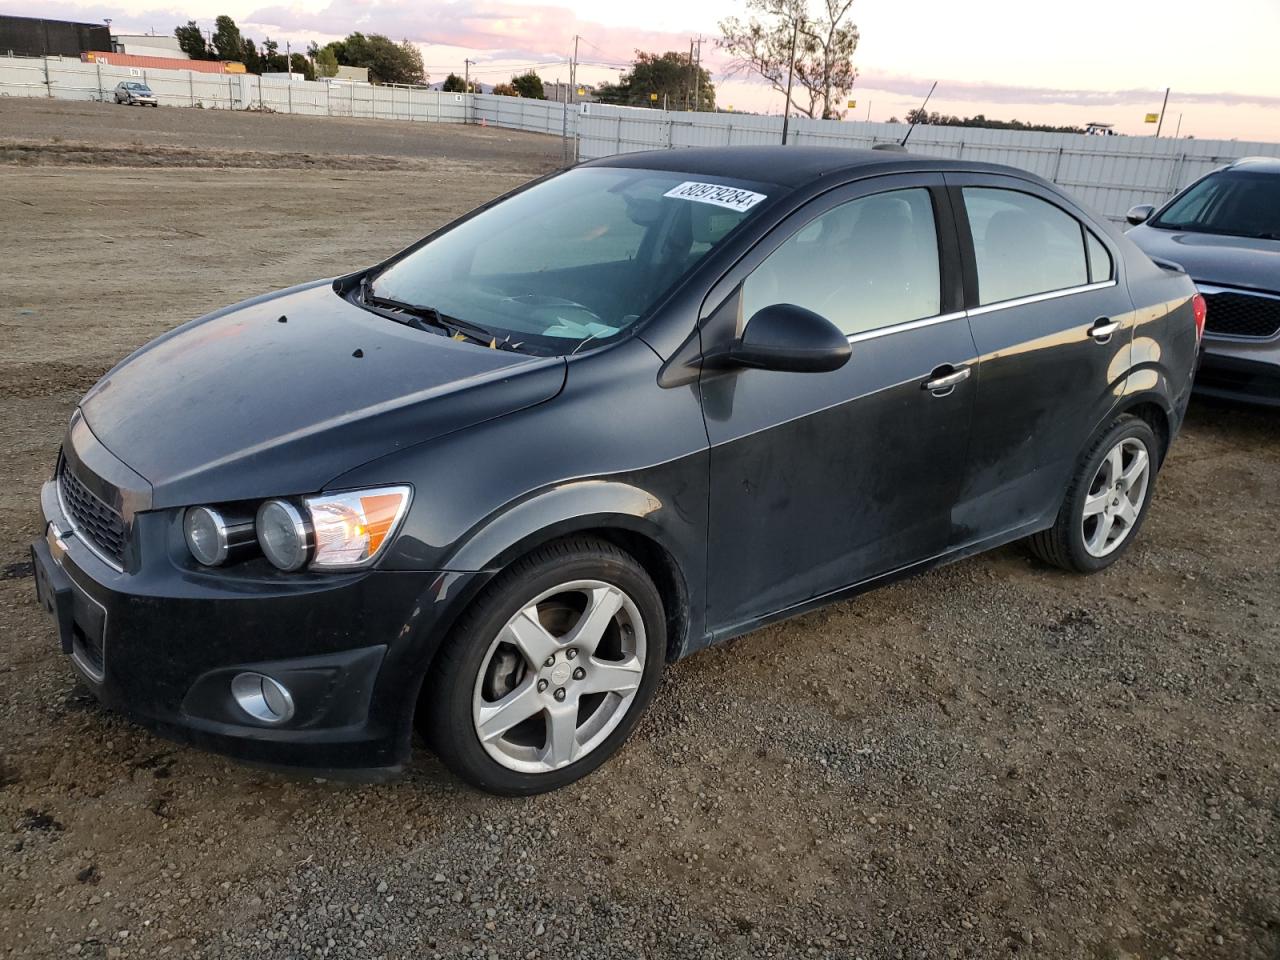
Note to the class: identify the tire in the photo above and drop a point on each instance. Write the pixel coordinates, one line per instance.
(1086, 544)
(482, 678)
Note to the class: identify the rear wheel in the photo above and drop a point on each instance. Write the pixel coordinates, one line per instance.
(549, 671)
(1106, 501)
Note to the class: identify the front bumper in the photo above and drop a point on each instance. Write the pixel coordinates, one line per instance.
(1239, 369)
(161, 643)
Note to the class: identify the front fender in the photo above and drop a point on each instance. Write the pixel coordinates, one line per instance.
(567, 508)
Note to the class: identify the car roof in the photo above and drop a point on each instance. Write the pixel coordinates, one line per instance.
(1257, 164)
(793, 166)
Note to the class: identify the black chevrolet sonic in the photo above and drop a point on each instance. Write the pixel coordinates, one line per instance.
(491, 486)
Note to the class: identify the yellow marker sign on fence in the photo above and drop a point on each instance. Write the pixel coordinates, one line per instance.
(1152, 118)
(853, 104)
(653, 97)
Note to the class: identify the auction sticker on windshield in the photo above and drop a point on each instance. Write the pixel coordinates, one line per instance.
(716, 193)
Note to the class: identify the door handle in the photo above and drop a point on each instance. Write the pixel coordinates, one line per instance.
(1103, 328)
(940, 383)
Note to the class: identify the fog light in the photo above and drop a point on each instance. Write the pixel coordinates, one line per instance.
(262, 698)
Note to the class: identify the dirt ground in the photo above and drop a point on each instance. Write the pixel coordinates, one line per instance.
(995, 759)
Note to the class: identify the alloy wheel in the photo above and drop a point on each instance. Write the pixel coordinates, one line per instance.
(1116, 497)
(560, 676)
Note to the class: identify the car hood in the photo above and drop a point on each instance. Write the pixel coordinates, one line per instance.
(278, 395)
(1212, 258)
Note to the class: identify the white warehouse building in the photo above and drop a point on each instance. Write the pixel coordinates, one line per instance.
(147, 45)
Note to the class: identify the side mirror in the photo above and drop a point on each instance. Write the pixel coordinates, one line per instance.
(790, 338)
(1140, 214)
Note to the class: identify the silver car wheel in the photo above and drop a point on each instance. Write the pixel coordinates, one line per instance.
(560, 676)
(1115, 497)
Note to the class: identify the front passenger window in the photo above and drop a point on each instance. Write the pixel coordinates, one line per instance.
(866, 264)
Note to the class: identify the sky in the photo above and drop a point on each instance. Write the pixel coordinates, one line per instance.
(1093, 60)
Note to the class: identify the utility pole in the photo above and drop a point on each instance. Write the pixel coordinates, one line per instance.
(697, 79)
(1162, 109)
(791, 69)
(868, 111)
(466, 76)
(573, 71)
(688, 87)
(1177, 133)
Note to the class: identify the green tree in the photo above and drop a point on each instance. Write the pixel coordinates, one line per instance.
(249, 56)
(670, 75)
(191, 41)
(455, 84)
(824, 48)
(505, 90)
(529, 85)
(300, 64)
(227, 41)
(388, 62)
(326, 62)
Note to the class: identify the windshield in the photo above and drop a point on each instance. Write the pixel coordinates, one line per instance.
(578, 257)
(1232, 202)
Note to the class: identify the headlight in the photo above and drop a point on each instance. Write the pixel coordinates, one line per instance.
(213, 534)
(283, 534)
(351, 528)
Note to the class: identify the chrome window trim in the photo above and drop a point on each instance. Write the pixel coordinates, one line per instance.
(75, 530)
(901, 327)
(1040, 297)
(979, 311)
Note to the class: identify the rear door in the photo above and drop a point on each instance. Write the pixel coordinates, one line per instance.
(1053, 324)
(823, 480)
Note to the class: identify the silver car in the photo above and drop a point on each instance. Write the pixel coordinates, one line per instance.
(1224, 230)
(135, 93)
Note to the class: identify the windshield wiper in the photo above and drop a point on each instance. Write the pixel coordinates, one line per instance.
(424, 317)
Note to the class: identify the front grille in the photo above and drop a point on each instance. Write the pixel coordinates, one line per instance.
(1242, 315)
(102, 526)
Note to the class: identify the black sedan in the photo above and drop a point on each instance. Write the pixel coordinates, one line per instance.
(491, 486)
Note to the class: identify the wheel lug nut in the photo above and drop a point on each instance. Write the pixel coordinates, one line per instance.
(542, 685)
(560, 693)
(579, 674)
(571, 653)
(550, 661)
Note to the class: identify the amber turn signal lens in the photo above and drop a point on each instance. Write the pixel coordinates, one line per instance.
(352, 527)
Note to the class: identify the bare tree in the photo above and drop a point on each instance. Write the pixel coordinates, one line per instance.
(824, 71)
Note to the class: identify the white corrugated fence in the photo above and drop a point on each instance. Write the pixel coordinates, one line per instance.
(1110, 174)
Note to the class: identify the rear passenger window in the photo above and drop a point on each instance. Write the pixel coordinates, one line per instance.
(866, 264)
(1099, 259)
(1023, 245)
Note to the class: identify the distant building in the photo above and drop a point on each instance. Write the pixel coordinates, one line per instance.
(284, 75)
(352, 74)
(147, 45)
(563, 93)
(36, 37)
(160, 63)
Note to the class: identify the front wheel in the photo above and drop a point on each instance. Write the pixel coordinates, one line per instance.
(549, 671)
(1106, 500)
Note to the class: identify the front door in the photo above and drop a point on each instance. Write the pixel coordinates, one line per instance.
(822, 480)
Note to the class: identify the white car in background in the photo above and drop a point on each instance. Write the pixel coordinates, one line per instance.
(135, 93)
